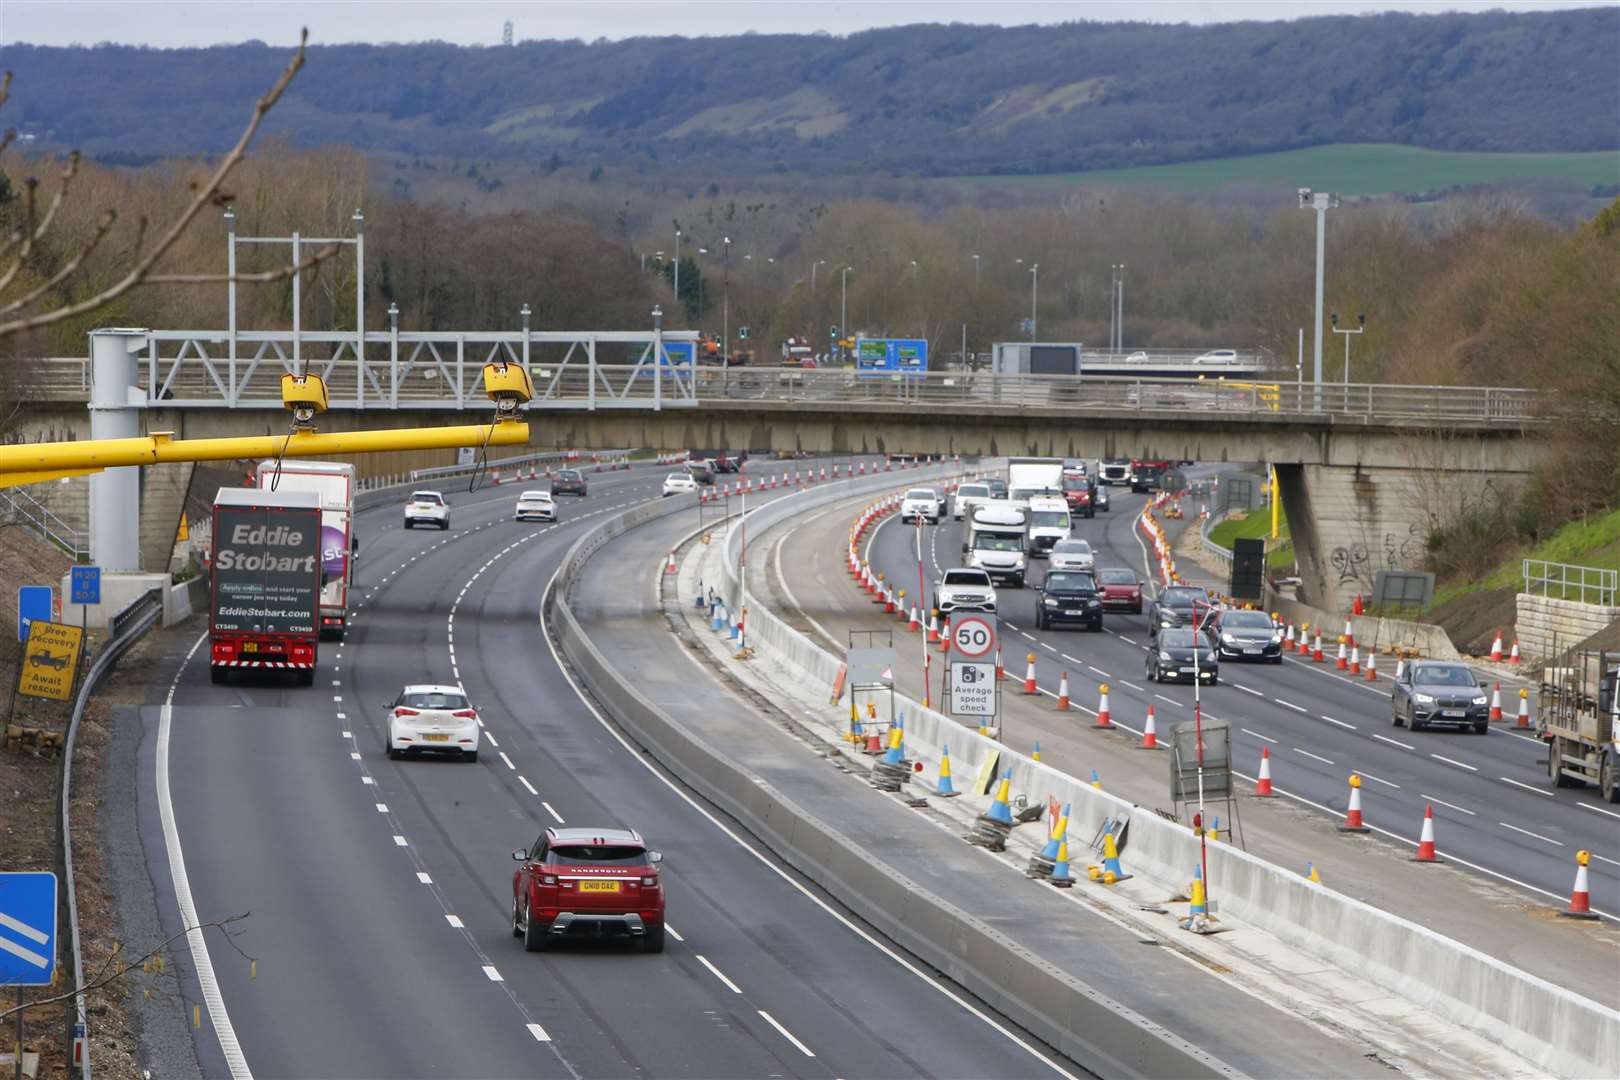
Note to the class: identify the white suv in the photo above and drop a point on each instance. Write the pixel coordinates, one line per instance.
(964, 590)
(922, 503)
(427, 508)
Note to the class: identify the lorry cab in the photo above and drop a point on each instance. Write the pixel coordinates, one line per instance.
(996, 541)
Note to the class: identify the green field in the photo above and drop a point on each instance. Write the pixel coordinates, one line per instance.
(1257, 526)
(1349, 169)
(1594, 542)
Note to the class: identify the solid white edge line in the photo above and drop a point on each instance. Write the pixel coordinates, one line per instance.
(203, 965)
(717, 973)
(785, 1033)
(905, 964)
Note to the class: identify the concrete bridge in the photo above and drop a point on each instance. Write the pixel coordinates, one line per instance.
(1365, 470)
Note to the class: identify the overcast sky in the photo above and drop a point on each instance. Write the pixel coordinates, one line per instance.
(478, 22)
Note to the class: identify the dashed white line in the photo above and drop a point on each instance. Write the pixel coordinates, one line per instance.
(399, 841)
(354, 754)
(1257, 735)
(1451, 806)
(1527, 832)
(1598, 809)
(508, 761)
(489, 736)
(367, 780)
(1248, 690)
(525, 782)
(382, 808)
(1393, 742)
(1126, 640)
(786, 1034)
(1378, 779)
(424, 877)
(717, 973)
(1308, 754)
(1133, 686)
(551, 811)
(1341, 723)
(1099, 671)
(1290, 705)
(492, 974)
(1171, 700)
(673, 932)
(1453, 761)
(1527, 787)
(539, 1033)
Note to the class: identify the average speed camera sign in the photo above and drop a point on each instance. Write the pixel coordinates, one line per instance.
(974, 634)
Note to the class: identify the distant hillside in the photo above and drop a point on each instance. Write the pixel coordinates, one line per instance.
(919, 100)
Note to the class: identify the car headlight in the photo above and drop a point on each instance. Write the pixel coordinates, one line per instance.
(1423, 699)
(1093, 602)
(1166, 619)
(1164, 654)
(1049, 602)
(1276, 639)
(1228, 639)
(1479, 701)
(1018, 563)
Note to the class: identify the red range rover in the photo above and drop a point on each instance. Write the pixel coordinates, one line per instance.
(588, 883)
(1121, 591)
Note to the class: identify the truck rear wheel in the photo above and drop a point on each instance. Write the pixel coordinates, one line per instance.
(1555, 761)
(1608, 782)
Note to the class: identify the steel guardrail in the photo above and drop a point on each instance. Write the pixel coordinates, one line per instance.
(1602, 584)
(127, 627)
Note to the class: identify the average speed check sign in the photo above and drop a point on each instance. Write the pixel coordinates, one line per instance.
(974, 635)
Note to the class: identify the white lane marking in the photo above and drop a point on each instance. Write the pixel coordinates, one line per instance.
(508, 761)
(1527, 787)
(1171, 700)
(1527, 832)
(551, 811)
(354, 754)
(1126, 640)
(338, 698)
(524, 780)
(382, 808)
(1010, 626)
(202, 964)
(1605, 858)
(1379, 779)
(838, 917)
(539, 1033)
(1248, 690)
(493, 975)
(1341, 723)
(1393, 742)
(1026, 633)
(1452, 806)
(453, 920)
(1098, 670)
(717, 973)
(1516, 735)
(1599, 809)
(488, 735)
(1257, 735)
(424, 877)
(673, 932)
(367, 779)
(1308, 754)
(786, 1034)
(1290, 705)
(400, 841)
(1133, 686)
(1452, 761)
(1047, 647)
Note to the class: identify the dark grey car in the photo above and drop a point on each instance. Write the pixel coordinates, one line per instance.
(1236, 634)
(1182, 655)
(1439, 692)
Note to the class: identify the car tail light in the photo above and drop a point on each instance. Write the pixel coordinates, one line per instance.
(650, 880)
(548, 879)
(400, 710)
(465, 714)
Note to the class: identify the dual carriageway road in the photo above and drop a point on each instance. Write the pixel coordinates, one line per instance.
(379, 891)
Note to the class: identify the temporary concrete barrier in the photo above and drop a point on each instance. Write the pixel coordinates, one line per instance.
(1430, 640)
(1559, 1030)
(1055, 1006)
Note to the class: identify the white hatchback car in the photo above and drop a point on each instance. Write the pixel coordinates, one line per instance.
(431, 719)
(1073, 555)
(679, 483)
(427, 508)
(535, 506)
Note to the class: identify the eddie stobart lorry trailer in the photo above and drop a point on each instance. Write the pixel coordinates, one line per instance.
(265, 583)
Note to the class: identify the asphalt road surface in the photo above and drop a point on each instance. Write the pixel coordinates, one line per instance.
(380, 893)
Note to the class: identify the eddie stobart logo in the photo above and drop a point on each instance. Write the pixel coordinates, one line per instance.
(260, 539)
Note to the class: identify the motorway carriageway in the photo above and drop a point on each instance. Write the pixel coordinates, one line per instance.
(380, 892)
(1493, 804)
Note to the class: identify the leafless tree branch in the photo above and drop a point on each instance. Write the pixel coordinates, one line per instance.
(207, 193)
(30, 234)
(103, 227)
(252, 279)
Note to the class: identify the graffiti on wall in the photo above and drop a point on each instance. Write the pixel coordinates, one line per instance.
(1357, 564)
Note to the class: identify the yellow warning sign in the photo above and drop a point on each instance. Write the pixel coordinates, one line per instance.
(987, 773)
(50, 660)
(185, 530)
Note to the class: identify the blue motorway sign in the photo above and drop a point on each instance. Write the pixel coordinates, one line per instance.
(34, 602)
(679, 354)
(27, 928)
(86, 584)
(891, 356)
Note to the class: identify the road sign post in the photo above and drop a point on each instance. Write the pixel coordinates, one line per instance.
(971, 685)
(27, 935)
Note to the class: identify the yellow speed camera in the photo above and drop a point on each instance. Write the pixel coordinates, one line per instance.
(304, 396)
(508, 386)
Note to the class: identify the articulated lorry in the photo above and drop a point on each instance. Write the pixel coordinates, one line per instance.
(334, 483)
(264, 605)
(1578, 715)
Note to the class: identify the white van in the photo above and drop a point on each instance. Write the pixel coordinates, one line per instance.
(996, 540)
(1048, 523)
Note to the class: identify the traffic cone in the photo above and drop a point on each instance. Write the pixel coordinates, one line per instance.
(1349, 631)
(1110, 872)
(1096, 781)
(933, 628)
(1311, 875)
(900, 607)
(669, 567)
(1288, 639)
(945, 639)
(1513, 657)
(1150, 734)
(1342, 664)
(1355, 660)
(888, 601)
(1425, 851)
(913, 624)
(717, 617)
(1304, 639)
(1104, 720)
(1580, 898)
(1214, 830)
(1496, 648)
(1001, 670)
(1197, 907)
(897, 738)
(1352, 818)
(1036, 754)
(1063, 692)
(1060, 832)
(1496, 702)
(1356, 608)
(1029, 677)
(999, 808)
(1524, 708)
(946, 789)
(1060, 867)
(1262, 786)
(1372, 666)
(1316, 650)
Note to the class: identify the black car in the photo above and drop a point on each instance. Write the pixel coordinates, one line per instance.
(1179, 605)
(1069, 596)
(998, 487)
(1182, 655)
(1244, 635)
(568, 482)
(1439, 692)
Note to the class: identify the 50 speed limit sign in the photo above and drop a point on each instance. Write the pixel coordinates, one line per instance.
(974, 635)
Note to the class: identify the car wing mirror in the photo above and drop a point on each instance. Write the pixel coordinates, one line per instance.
(964, 549)
(520, 855)
(655, 857)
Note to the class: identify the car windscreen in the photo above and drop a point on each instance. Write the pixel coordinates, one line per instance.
(972, 491)
(1048, 519)
(1074, 547)
(1246, 620)
(965, 577)
(922, 494)
(1070, 582)
(995, 542)
(1178, 639)
(568, 474)
(1183, 597)
(998, 485)
(428, 497)
(1076, 483)
(596, 855)
(1116, 577)
(1442, 675)
(433, 699)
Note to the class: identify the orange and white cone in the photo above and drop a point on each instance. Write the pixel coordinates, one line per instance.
(1316, 650)
(1349, 631)
(945, 638)
(1524, 709)
(933, 628)
(1304, 639)
(1262, 785)
(1496, 702)
(1150, 734)
(1425, 851)
(1029, 677)
(1104, 721)
(1288, 639)
(1063, 692)
(913, 624)
(1355, 660)
(1342, 664)
(888, 600)
(1001, 670)
(669, 567)
(1580, 898)
(1352, 817)
(1496, 648)
(1372, 666)
(1513, 657)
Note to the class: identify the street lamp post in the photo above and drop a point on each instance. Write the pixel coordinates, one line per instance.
(677, 266)
(975, 271)
(1321, 202)
(843, 309)
(814, 318)
(1034, 296)
(1361, 321)
(725, 309)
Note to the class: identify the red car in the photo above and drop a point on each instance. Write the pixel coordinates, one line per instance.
(1121, 591)
(588, 883)
(1077, 491)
